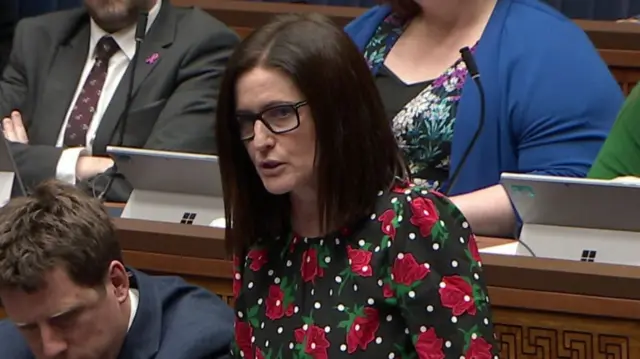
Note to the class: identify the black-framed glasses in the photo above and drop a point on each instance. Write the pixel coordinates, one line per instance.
(278, 119)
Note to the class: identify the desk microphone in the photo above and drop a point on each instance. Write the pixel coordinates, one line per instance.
(472, 67)
(121, 124)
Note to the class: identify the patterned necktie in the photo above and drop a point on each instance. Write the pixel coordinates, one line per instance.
(75, 134)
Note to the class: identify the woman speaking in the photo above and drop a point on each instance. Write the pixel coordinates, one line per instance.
(337, 255)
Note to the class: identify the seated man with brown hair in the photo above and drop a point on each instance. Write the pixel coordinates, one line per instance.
(68, 295)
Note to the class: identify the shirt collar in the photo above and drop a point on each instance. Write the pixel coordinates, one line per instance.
(134, 298)
(125, 38)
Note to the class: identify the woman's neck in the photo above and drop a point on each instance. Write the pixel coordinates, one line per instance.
(305, 219)
(443, 20)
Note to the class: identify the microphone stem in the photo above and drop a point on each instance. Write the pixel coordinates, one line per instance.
(474, 139)
(121, 126)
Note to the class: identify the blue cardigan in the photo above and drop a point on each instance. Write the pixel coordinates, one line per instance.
(550, 98)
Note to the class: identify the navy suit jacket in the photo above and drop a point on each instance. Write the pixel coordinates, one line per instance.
(174, 320)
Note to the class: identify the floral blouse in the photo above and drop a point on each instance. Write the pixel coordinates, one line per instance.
(406, 282)
(424, 125)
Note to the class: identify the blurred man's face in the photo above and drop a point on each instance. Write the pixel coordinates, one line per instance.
(67, 321)
(115, 15)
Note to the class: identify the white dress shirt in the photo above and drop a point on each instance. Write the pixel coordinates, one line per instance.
(66, 168)
(134, 298)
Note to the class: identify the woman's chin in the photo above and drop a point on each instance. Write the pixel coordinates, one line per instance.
(276, 186)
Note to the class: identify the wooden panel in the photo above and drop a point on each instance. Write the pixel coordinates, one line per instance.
(528, 330)
(542, 308)
(526, 334)
(618, 43)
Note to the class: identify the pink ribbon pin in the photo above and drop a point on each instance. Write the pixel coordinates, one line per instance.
(152, 59)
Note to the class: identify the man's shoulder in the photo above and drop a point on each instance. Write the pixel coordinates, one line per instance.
(196, 24)
(195, 322)
(53, 21)
(12, 343)
(176, 295)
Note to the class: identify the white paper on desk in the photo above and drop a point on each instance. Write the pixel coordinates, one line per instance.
(509, 249)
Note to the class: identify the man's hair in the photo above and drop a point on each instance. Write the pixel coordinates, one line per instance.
(57, 225)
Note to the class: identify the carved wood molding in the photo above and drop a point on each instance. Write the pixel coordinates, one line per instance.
(519, 342)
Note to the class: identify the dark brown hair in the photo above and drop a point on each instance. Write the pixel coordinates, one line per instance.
(356, 151)
(56, 225)
(406, 9)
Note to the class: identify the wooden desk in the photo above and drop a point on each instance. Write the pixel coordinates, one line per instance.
(543, 308)
(618, 43)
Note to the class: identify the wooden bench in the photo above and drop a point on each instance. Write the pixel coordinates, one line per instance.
(618, 43)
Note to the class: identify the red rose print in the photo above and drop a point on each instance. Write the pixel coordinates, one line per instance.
(387, 226)
(289, 312)
(310, 267)
(293, 243)
(259, 354)
(258, 259)
(360, 261)
(363, 330)
(407, 271)
(478, 349)
(387, 292)
(243, 332)
(473, 248)
(424, 215)
(275, 303)
(429, 346)
(401, 188)
(316, 342)
(457, 294)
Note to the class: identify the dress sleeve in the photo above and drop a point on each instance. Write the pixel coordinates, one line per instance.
(435, 277)
(620, 154)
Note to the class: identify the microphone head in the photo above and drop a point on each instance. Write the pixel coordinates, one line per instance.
(141, 25)
(469, 61)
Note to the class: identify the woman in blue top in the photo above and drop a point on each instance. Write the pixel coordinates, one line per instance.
(550, 99)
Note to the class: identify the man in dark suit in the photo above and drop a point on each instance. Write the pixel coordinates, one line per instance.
(65, 89)
(68, 295)
(8, 19)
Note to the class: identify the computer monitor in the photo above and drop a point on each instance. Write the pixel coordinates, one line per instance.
(170, 186)
(576, 219)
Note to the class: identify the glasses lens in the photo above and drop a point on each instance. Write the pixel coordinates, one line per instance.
(281, 119)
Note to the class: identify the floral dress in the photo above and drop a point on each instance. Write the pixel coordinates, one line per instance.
(405, 282)
(424, 121)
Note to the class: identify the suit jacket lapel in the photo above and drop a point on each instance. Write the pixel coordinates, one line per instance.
(60, 86)
(159, 37)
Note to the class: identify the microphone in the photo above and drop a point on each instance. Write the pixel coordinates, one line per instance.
(121, 124)
(472, 67)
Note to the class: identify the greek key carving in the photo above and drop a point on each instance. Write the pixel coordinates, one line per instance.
(547, 343)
